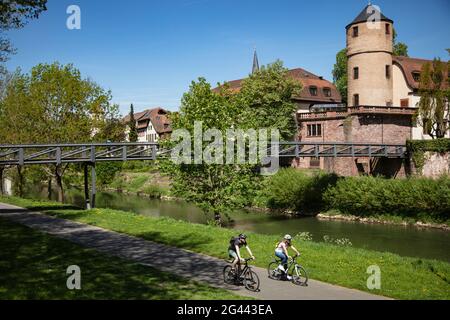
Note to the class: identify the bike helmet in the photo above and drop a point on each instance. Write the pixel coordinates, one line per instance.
(243, 236)
(288, 237)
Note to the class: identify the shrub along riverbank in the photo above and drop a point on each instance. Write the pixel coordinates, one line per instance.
(404, 278)
(412, 200)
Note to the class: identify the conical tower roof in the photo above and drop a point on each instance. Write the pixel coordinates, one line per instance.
(367, 15)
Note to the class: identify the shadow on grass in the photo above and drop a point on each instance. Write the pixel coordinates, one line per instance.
(190, 241)
(33, 266)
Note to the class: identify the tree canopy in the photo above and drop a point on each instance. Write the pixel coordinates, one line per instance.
(54, 104)
(433, 112)
(340, 76)
(264, 101)
(398, 48)
(14, 14)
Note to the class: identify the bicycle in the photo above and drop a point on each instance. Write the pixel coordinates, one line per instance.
(245, 276)
(297, 272)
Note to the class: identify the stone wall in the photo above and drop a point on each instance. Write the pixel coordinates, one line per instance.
(435, 165)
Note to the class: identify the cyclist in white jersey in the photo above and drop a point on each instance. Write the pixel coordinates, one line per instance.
(281, 251)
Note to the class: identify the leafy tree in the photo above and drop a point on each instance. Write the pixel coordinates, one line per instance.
(266, 97)
(398, 48)
(264, 101)
(215, 188)
(433, 112)
(133, 134)
(14, 14)
(54, 104)
(106, 171)
(340, 75)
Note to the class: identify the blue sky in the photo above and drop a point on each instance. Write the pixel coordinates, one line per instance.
(147, 52)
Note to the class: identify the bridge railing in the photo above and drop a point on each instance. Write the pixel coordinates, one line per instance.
(340, 149)
(76, 153)
(101, 152)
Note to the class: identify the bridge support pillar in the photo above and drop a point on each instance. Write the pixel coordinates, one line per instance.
(86, 188)
(94, 189)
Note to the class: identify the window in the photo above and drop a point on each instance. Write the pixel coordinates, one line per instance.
(416, 76)
(388, 28)
(327, 92)
(314, 130)
(313, 90)
(356, 73)
(355, 32)
(388, 71)
(356, 100)
(404, 103)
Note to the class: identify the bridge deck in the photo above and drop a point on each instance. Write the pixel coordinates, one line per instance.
(101, 152)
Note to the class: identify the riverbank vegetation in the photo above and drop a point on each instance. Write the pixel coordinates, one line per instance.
(419, 199)
(33, 266)
(412, 200)
(402, 278)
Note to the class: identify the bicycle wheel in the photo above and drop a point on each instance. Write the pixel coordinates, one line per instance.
(299, 276)
(251, 281)
(228, 275)
(273, 271)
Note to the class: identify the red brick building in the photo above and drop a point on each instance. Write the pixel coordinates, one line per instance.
(382, 100)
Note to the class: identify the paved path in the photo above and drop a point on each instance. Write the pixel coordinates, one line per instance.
(190, 265)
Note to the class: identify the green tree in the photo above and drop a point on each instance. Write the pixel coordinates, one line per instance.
(340, 75)
(433, 111)
(54, 104)
(133, 134)
(264, 101)
(399, 48)
(215, 188)
(14, 14)
(266, 96)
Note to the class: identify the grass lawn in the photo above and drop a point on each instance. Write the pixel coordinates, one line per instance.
(149, 183)
(33, 266)
(401, 277)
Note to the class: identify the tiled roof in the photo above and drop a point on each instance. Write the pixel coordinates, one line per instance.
(160, 120)
(307, 80)
(409, 66)
(158, 116)
(367, 15)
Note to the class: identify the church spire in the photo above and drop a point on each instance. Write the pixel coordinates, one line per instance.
(255, 62)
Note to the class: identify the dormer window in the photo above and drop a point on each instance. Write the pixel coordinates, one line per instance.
(355, 32)
(313, 90)
(327, 92)
(416, 76)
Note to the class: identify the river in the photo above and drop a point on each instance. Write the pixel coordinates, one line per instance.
(403, 240)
